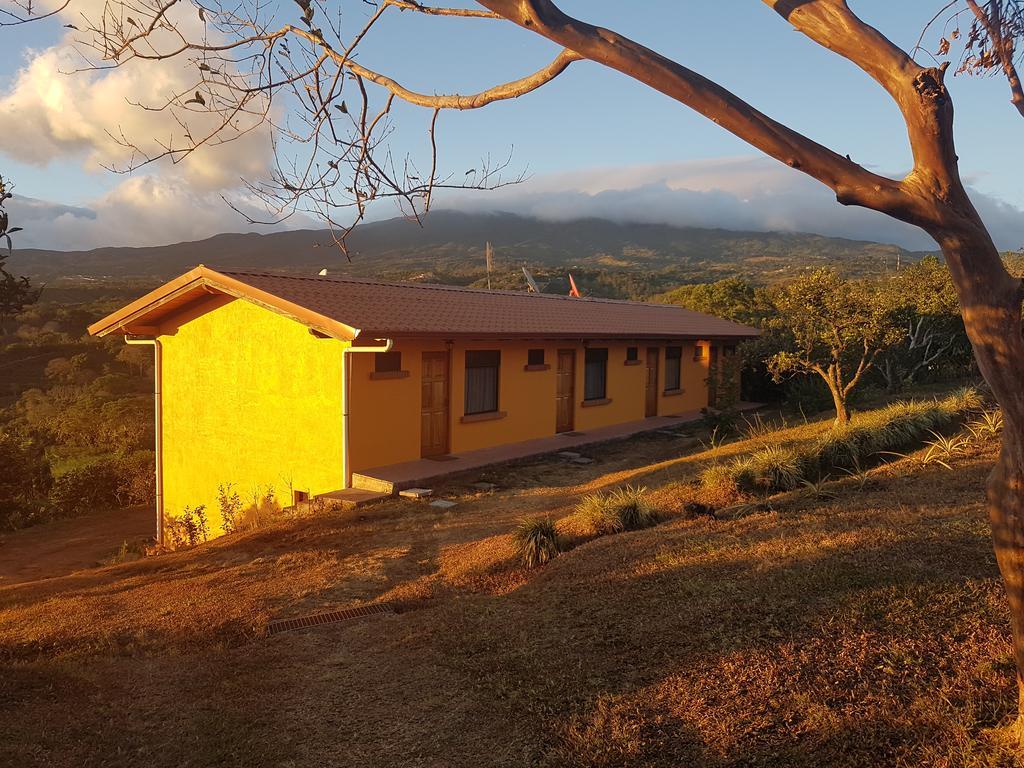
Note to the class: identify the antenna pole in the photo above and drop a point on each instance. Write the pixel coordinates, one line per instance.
(489, 255)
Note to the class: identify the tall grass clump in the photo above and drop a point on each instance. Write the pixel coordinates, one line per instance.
(536, 541)
(772, 468)
(718, 485)
(624, 509)
(901, 426)
(597, 514)
(631, 507)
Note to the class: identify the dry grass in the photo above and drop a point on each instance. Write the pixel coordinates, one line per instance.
(866, 630)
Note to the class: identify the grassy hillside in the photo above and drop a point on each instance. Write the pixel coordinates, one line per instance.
(609, 258)
(863, 627)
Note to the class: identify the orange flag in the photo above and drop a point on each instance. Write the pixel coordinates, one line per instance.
(573, 290)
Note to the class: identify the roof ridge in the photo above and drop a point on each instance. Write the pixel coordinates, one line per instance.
(438, 287)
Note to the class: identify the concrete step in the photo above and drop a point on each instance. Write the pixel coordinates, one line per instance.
(349, 498)
(375, 484)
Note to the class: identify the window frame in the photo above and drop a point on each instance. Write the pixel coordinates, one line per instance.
(496, 366)
(674, 365)
(601, 356)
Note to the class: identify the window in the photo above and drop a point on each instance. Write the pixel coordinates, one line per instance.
(387, 362)
(673, 358)
(632, 354)
(535, 357)
(482, 381)
(596, 374)
(698, 352)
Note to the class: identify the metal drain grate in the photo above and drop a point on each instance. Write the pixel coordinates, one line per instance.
(328, 617)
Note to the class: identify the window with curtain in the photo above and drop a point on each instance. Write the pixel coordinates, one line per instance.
(673, 358)
(482, 381)
(596, 375)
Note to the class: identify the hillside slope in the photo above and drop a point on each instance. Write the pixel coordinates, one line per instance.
(866, 629)
(450, 248)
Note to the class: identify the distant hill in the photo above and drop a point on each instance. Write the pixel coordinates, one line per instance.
(607, 258)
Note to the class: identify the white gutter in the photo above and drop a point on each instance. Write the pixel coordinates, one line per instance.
(158, 408)
(346, 384)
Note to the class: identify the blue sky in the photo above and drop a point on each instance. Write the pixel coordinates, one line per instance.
(589, 117)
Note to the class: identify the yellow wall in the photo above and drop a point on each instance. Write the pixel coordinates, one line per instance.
(251, 398)
(693, 379)
(385, 412)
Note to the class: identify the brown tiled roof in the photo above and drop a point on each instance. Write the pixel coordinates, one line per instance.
(346, 307)
(413, 309)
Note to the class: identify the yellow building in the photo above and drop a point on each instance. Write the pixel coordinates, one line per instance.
(289, 386)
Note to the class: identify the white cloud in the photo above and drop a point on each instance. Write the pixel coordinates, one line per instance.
(143, 210)
(749, 193)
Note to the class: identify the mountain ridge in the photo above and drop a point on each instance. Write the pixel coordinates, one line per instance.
(639, 259)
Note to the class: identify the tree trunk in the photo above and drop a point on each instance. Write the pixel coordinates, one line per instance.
(842, 412)
(991, 304)
(1006, 514)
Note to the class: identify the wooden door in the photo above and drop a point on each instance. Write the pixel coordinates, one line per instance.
(565, 388)
(434, 412)
(651, 385)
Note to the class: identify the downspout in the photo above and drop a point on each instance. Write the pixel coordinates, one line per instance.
(346, 384)
(158, 409)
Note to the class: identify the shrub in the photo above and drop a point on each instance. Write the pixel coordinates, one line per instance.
(189, 528)
(630, 506)
(536, 541)
(230, 505)
(137, 481)
(25, 480)
(86, 489)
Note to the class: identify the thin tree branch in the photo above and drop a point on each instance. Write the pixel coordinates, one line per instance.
(853, 184)
(1003, 45)
(501, 92)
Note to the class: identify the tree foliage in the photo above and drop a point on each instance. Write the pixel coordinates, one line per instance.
(923, 300)
(732, 298)
(833, 328)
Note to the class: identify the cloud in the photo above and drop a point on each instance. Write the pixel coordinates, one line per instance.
(748, 193)
(48, 116)
(141, 211)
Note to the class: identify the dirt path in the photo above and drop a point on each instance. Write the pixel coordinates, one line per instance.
(66, 546)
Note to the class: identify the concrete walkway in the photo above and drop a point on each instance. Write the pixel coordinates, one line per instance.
(422, 472)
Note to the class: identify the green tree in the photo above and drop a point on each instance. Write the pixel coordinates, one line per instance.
(833, 328)
(923, 299)
(732, 298)
(16, 292)
(25, 478)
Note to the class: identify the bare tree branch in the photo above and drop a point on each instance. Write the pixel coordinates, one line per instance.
(1001, 35)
